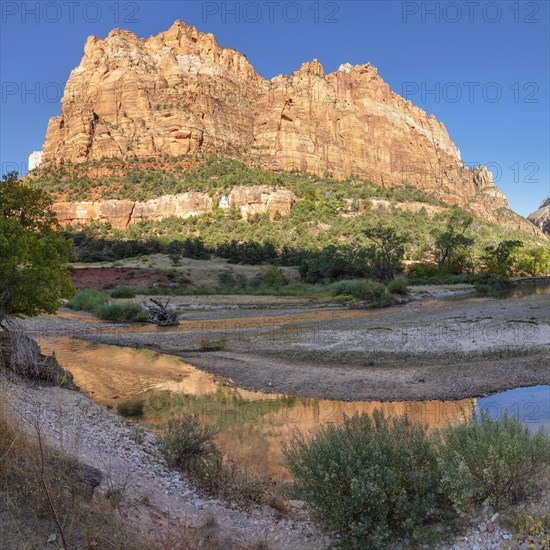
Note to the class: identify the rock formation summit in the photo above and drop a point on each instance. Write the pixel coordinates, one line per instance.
(179, 92)
(541, 218)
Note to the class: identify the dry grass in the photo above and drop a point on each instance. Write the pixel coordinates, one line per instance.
(41, 499)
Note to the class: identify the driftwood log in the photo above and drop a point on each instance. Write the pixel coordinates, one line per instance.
(159, 313)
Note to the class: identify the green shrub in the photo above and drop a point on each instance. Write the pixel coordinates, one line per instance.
(422, 271)
(398, 286)
(494, 286)
(131, 408)
(185, 441)
(385, 301)
(120, 312)
(211, 345)
(374, 479)
(123, 292)
(87, 300)
(360, 289)
(490, 461)
(272, 275)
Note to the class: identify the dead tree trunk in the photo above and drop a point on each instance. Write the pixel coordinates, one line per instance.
(159, 314)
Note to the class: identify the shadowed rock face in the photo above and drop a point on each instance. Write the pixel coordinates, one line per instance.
(541, 218)
(179, 92)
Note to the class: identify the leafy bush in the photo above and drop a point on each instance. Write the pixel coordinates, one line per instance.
(87, 300)
(120, 313)
(490, 461)
(272, 275)
(373, 479)
(360, 289)
(185, 441)
(123, 292)
(422, 271)
(189, 446)
(131, 408)
(398, 286)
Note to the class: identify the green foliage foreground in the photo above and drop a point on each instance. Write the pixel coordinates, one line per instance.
(34, 256)
(378, 480)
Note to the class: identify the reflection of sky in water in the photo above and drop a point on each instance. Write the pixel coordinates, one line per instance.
(530, 405)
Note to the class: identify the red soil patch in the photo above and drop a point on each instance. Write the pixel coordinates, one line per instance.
(99, 278)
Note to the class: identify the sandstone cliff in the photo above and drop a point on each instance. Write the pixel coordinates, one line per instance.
(123, 213)
(180, 92)
(541, 218)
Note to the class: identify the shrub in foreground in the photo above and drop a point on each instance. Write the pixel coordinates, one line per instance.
(189, 446)
(490, 462)
(185, 440)
(374, 479)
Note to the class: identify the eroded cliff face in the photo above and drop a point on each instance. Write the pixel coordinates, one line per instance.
(541, 218)
(248, 201)
(179, 92)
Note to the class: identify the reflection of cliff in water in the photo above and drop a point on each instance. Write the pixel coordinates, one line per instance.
(253, 425)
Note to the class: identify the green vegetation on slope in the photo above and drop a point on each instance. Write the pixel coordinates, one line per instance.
(329, 232)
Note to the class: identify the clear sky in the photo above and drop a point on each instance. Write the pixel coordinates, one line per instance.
(481, 67)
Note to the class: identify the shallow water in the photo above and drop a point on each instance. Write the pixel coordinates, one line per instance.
(253, 425)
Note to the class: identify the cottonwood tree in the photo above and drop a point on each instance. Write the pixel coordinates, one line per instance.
(385, 255)
(34, 273)
(499, 258)
(452, 242)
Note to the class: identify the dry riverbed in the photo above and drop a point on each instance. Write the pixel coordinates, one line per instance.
(427, 349)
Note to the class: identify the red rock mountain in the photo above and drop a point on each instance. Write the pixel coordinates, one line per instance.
(541, 218)
(180, 92)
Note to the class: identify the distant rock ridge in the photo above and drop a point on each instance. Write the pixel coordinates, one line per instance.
(179, 92)
(541, 218)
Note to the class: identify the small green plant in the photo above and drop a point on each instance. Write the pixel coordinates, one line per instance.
(398, 286)
(123, 292)
(185, 441)
(490, 461)
(374, 479)
(131, 408)
(533, 528)
(360, 289)
(211, 345)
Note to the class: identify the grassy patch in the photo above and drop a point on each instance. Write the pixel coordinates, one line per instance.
(131, 408)
(125, 312)
(123, 292)
(98, 304)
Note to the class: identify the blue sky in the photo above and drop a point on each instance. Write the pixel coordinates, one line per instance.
(481, 67)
